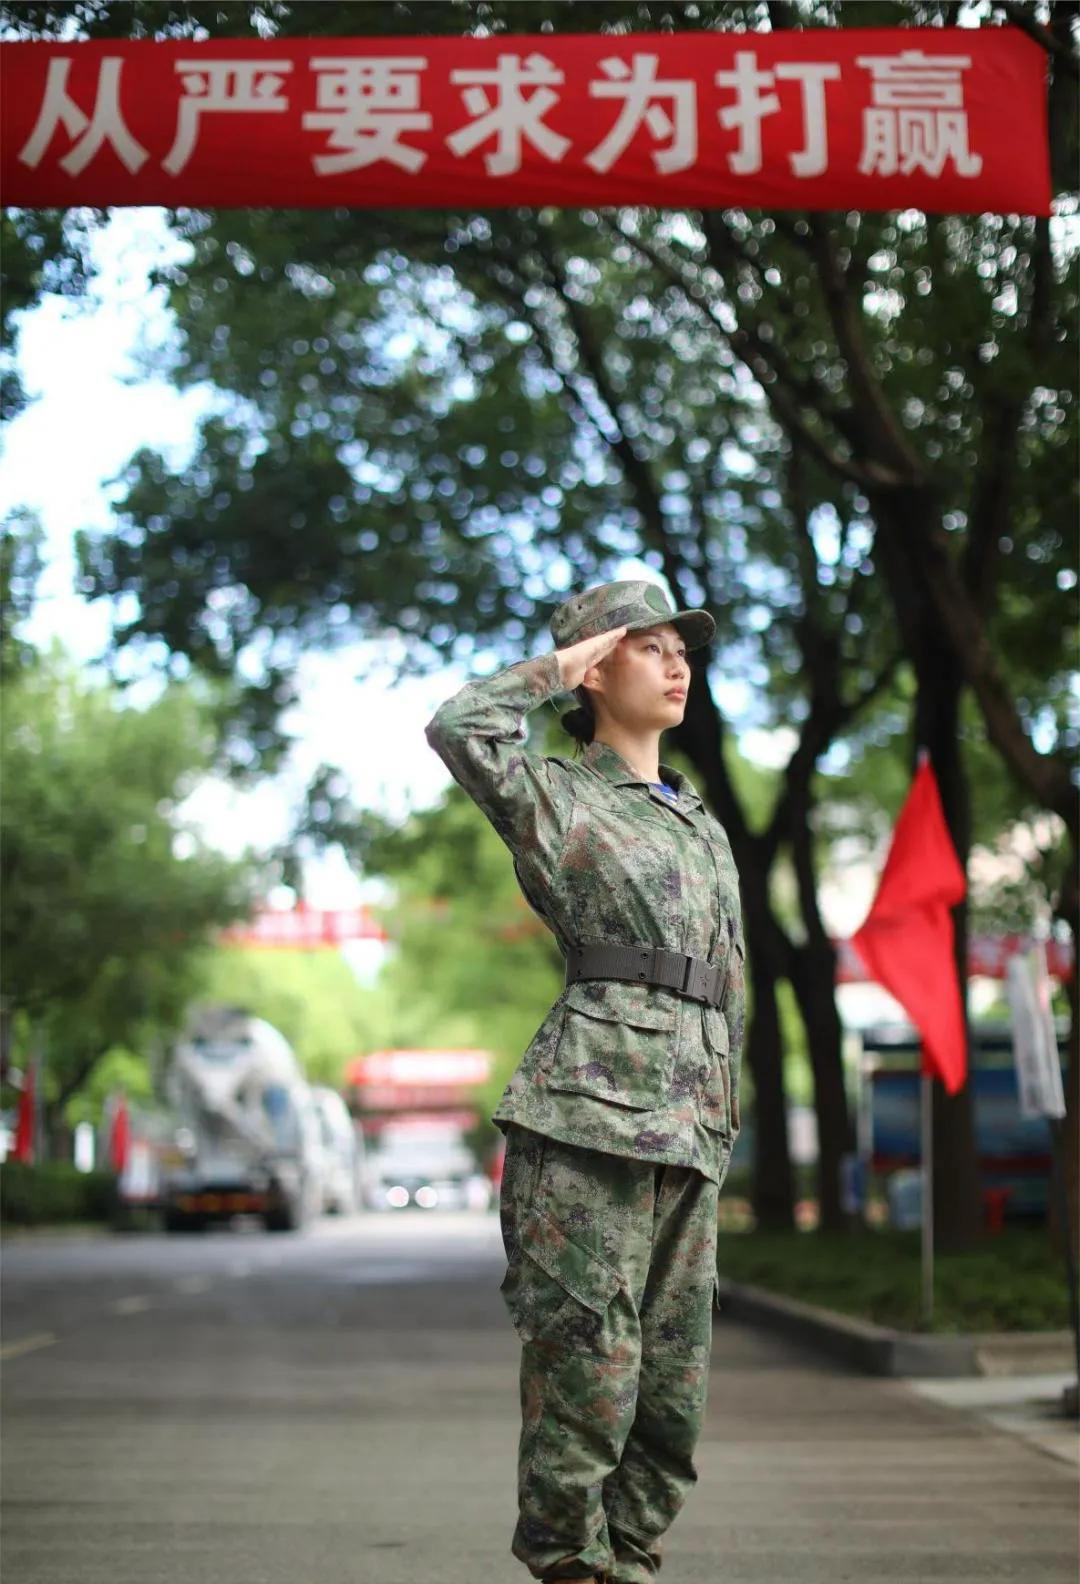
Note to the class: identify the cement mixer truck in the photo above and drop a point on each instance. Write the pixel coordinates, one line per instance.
(247, 1137)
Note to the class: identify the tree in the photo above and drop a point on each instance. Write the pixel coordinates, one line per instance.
(21, 539)
(108, 902)
(907, 379)
(312, 997)
(472, 964)
(43, 251)
(239, 508)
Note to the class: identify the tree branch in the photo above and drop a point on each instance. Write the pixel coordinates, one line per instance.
(883, 433)
(921, 569)
(75, 1082)
(761, 362)
(636, 467)
(1021, 18)
(992, 494)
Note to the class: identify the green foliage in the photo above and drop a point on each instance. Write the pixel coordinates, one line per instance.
(41, 251)
(857, 806)
(440, 419)
(21, 540)
(53, 1191)
(118, 1071)
(1012, 1282)
(437, 414)
(474, 966)
(470, 964)
(312, 997)
(107, 902)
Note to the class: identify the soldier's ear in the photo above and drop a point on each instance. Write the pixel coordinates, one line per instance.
(594, 678)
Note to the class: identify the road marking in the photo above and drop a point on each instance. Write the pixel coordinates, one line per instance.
(27, 1344)
(133, 1305)
(191, 1284)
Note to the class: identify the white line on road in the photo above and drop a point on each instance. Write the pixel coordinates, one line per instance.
(374, 1273)
(133, 1305)
(191, 1284)
(27, 1344)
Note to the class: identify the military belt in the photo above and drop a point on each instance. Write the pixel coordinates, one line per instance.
(690, 976)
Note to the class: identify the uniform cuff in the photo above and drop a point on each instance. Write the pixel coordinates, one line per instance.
(541, 677)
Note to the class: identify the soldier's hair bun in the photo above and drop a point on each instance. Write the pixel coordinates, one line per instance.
(580, 723)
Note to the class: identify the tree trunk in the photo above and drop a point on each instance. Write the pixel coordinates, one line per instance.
(903, 518)
(6, 1020)
(812, 972)
(813, 978)
(1069, 1140)
(772, 1190)
(700, 737)
(958, 1217)
(59, 1140)
(1067, 909)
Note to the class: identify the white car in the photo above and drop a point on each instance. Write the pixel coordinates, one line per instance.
(426, 1165)
(341, 1153)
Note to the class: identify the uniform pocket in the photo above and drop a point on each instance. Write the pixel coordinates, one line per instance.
(587, 1277)
(616, 1043)
(716, 1091)
(624, 1001)
(556, 1289)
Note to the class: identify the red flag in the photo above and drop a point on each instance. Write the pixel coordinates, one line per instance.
(119, 1136)
(906, 940)
(23, 1148)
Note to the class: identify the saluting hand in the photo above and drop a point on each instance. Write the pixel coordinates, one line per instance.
(576, 659)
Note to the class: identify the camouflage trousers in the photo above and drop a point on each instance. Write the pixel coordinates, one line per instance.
(610, 1284)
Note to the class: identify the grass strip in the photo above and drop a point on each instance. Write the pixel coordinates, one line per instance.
(1014, 1281)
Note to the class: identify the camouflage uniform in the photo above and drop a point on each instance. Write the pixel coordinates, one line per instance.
(620, 1118)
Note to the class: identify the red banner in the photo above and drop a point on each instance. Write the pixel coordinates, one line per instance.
(304, 926)
(420, 1068)
(938, 119)
(414, 1080)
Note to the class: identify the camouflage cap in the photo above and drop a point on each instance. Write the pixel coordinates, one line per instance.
(631, 604)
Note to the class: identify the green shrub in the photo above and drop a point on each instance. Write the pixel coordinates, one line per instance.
(53, 1191)
(1011, 1281)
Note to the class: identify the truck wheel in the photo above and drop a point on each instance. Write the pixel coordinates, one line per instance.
(286, 1218)
(183, 1221)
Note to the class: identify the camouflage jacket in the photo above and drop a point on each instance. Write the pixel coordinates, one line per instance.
(601, 855)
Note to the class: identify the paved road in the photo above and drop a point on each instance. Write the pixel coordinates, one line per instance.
(341, 1408)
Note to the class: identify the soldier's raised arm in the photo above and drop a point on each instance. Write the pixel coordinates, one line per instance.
(479, 734)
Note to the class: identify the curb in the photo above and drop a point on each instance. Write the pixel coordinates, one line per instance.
(878, 1350)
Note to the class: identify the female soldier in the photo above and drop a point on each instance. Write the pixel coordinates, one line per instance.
(621, 1117)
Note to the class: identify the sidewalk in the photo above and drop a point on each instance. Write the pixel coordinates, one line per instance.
(1028, 1406)
(810, 1472)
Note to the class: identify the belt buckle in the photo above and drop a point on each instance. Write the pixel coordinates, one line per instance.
(693, 985)
(703, 981)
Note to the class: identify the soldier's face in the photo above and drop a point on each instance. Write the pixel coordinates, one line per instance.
(644, 681)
